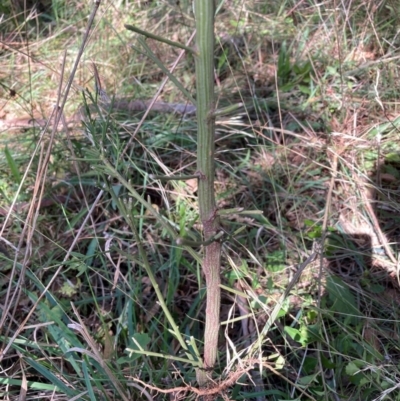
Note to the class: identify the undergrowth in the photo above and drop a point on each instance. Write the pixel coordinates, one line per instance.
(307, 177)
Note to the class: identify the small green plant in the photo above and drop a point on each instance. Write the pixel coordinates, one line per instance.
(293, 75)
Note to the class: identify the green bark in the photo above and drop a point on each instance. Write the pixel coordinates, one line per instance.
(204, 14)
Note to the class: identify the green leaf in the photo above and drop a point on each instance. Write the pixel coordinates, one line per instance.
(69, 289)
(58, 337)
(307, 380)
(342, 299)
(31, 385)
(392, 157)
(140, 342)
(62, 335)
(88, 381)
(284, 66)
(313, 332)
(352, 369)
(276, 261)
(51, 377)
(390, 169)
(376, 288)
(291, 399)
(284, 309)
(222, 59)
(386, 385)
(326, 363)
(305, 89)
(13, 165)
(297, 335)
(116, 189)
(280, 362)
(234, 275)
(256, 303)
(310, 364)
(316, 232)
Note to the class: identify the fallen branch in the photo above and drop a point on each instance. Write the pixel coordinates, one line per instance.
(124, 105)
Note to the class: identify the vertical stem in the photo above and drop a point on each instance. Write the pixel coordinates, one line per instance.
(204, 13)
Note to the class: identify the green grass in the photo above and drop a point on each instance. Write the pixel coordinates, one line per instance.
(81, 317)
